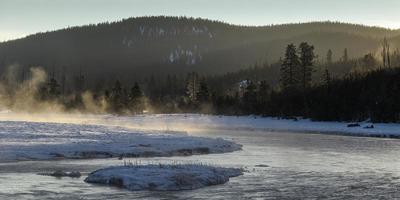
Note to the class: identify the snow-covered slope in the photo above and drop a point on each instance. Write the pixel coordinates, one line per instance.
(163, 177)
(33, 140)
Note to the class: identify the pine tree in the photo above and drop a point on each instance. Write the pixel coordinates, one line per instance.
(329, 59)
(203, 94)
(135, 92)
(263, 96)
(306, 64)
(79, 83)
(117, 97)
(369, 61)
(151, 88)
(53, 88)
(193, 86)
(135, 98)
(396, 58)
(289, 67)
(117, 89)
(107, 95)
(345, 57)
(63, 80)
(327, 77)
(50, 91)
(250, 97)
(386, 53)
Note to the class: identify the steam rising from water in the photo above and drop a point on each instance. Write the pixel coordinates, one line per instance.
(22, 96)
(19, 102)
(169, 123)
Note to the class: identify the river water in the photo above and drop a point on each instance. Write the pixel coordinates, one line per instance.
(294, 166)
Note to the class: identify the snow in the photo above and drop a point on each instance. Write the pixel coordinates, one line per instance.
(32, 137)
(21, 140)
(141, 29)
(163, 177)
(189, 55)
(156, 32)
(198, 121)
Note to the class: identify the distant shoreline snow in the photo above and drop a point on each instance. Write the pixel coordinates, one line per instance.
(258, 123)
(163, 177)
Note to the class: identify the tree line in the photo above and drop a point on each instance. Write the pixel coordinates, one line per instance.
(299, 85)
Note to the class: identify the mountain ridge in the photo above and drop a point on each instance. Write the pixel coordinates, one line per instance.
(328, 22)
(151, 45)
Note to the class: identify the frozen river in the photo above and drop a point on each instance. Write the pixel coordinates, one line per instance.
(295, 166)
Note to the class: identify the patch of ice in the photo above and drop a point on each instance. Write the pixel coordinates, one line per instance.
(163, 177)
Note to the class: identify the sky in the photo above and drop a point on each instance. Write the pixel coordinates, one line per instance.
(19, 18)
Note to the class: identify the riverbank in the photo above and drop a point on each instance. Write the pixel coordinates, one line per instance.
(23, 141)
(189, 122)
(198, 121)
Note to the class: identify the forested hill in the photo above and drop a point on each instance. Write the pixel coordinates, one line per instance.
(159, 45)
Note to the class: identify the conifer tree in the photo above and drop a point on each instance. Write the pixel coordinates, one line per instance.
(306, 64)
(116, 97)
(386, 53)
(289, 67)
(369, 61)
(345, 57)
(135, 92)
(396, 58)
(193, 86)
(79, 83)
(50, 91)
(53, 88)
(329, 59)
(263, 96)
(327, 77)
(250, 97)
(152, 88)
(203, 94)
(135, 98)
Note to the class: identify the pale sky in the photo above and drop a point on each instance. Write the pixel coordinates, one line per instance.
(19, 18)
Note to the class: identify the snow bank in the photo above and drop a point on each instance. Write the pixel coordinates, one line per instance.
(163, 177)
(193, 121)
(43, 141)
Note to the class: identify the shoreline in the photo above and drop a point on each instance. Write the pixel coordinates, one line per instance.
(187, 122)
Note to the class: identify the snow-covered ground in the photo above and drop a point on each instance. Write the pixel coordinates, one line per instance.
(163, 177)
(21, 140)
(35, 136)
(187, 122)
(197, 121)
